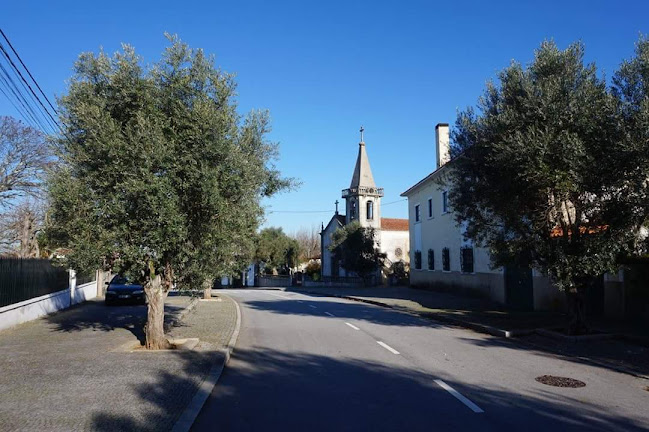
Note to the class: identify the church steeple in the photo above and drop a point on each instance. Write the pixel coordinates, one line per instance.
(362, 176)
(363, 197)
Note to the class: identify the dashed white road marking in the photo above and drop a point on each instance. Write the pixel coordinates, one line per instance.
(352, 326)
(313, 307)
(473, 407)
(330, 314)
(387, 347)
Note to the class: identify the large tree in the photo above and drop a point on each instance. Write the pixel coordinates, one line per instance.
(277, 250)
(160, 177)
(355, 247)
(543, 173)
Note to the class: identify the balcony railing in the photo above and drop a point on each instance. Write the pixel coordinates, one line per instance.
(378, 192)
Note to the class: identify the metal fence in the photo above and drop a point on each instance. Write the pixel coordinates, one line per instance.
(272, 281)
(23, 279)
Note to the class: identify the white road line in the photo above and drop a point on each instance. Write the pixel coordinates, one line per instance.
(473, 407)
(387, 347)
(330, 314)
(352, 326)
(314, 307)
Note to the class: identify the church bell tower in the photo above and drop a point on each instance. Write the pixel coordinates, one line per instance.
(363, 198)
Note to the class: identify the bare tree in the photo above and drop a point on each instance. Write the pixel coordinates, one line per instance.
(19, 227)
(309, 241)
(24, 156)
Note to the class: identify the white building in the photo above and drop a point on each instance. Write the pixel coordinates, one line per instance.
(441, 258)
(363, 204)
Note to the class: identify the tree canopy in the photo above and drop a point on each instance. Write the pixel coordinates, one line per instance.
(547, 171)
(159, 174)
(277, 250)
(355, 247)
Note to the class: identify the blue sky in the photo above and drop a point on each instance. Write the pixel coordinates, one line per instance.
(325, 68)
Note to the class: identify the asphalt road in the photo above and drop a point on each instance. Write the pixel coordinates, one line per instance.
(310, 363)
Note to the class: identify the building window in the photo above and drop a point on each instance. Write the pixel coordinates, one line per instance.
(466, 259)
(370, 210)
(352, 209)
(446, 259)
(445, 202)
(431, 259)
(430, 207)
(417, 260)
(417, 216)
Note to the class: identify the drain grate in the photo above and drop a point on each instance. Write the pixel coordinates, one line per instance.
(557, 381)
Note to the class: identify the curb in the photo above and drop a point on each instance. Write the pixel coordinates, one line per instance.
(481, 328)
(187, 418)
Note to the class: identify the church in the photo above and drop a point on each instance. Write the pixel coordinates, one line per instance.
(363, 204)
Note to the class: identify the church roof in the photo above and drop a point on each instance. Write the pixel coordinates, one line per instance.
(341, 218)
(391, 224)
(362, 172)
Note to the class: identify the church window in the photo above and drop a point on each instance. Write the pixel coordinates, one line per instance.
(431, 259)
(370, 210)
(352, 209)
(430, 207)
(417, 216)
(446, 259)
(445, 208)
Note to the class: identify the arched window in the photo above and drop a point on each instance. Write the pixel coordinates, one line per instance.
(370, 210)
(352, 209)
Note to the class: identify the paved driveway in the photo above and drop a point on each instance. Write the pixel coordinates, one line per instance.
(66, 372)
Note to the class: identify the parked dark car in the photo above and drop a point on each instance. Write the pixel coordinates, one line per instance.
(120, 290)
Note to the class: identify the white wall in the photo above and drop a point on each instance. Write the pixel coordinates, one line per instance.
(32, 309)
(391, 240)
(441, 231)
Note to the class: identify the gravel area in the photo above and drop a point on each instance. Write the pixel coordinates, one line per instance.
(69, 371)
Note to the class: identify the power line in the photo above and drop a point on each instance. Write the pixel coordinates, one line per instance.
(299, 211)
(51, 120)
(394, 202)
(327, 211)
(28, 113)
(30, 74)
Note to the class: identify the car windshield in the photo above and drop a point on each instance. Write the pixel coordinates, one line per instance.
(120, 280)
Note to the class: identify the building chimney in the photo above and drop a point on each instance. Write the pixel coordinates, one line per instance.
(442, 145)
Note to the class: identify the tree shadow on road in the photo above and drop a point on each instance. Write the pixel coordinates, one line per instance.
(269, 390)
(94, 315)
(265, 389)
(348, 310)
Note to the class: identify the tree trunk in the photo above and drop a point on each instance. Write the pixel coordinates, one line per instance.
(207, 289)
(154, 328)
(577, 307)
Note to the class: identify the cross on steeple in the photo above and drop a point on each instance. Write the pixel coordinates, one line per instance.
(362, 130)
(336, 206)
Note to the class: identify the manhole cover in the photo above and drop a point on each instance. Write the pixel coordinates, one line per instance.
(557, 381)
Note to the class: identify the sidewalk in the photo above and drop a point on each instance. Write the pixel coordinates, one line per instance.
(492, 318)
(446, 307)
(70, 371)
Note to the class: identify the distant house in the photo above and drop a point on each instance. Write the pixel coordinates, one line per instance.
(363, 204)
(440, 256)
